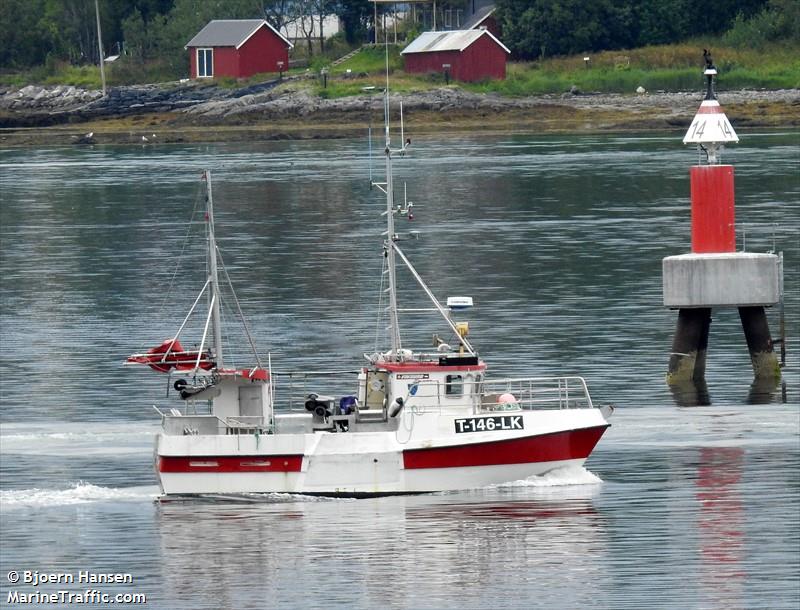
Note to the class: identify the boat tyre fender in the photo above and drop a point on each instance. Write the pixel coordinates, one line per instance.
(396, 407)
(321, 411)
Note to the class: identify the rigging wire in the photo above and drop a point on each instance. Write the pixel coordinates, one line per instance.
(168, 292)
(226, 337)
(239, 310)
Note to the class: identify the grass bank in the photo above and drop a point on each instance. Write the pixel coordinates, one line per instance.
(656, 68)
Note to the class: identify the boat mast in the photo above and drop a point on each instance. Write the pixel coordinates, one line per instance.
(394, 322)
(212, 274)
(391, 249)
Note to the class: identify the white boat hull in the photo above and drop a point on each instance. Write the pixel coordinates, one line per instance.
(377, 463)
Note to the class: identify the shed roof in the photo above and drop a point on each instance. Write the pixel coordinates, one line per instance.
(455, 40)
(230, 33)
(480, 15)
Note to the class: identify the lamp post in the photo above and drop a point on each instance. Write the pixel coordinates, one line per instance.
(280, 70)
(446, 68)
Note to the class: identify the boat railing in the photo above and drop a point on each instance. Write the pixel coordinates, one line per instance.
(531, 393)
(176, 423)
(246, 424)
(517, 394)
(293, 388)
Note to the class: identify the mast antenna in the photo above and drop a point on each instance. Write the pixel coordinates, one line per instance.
(213, 275)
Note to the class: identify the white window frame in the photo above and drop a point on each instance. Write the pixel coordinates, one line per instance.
(206, 64)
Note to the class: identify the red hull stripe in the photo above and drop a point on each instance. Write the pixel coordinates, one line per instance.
(568, 445)
(227, 463)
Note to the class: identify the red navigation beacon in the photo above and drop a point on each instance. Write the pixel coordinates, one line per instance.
(713, 218)
(714, 274)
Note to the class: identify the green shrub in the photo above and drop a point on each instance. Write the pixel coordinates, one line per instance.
(756, 32)
(87, 77)
(317, 63)
(130, 71)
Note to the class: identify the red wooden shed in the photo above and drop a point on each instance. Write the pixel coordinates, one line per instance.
(465, 55)
(237, 48)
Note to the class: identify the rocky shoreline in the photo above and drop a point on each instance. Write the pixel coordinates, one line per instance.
(281, 109)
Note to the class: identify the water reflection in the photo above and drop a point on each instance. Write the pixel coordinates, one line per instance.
(695, 393)
(691, 393)
(395, 552)
(721, 526)
(762, 391)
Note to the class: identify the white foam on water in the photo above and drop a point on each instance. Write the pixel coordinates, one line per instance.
(80, 493)
(560, 477)
(69, 438)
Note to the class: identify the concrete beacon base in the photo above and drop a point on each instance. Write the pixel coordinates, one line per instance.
(733, 279)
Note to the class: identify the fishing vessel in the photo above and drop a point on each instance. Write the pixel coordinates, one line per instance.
(409, 421)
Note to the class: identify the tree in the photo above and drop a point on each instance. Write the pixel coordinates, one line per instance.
(305, 21)
(553, 27)
(356, 16)
(20, 33)
(137, 42)
(534, 28)
(70, 30)
(323, 8)
(277, 12)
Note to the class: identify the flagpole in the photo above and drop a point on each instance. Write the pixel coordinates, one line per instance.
(100, 47)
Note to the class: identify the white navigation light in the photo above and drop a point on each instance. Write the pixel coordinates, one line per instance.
(710, 125)
(457, 303)
(710, 129)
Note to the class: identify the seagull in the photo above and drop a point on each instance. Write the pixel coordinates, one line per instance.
(144, 139)
(87, 138)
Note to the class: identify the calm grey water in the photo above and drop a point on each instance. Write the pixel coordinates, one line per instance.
(558, 239)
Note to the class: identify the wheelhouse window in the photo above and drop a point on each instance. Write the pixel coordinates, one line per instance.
(205, 63)
(454, 385)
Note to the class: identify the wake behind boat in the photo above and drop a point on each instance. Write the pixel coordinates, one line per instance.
(410, 422)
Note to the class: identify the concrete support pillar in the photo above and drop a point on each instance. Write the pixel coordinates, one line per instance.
(688, 359)
(759, 343)
(692, 393)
